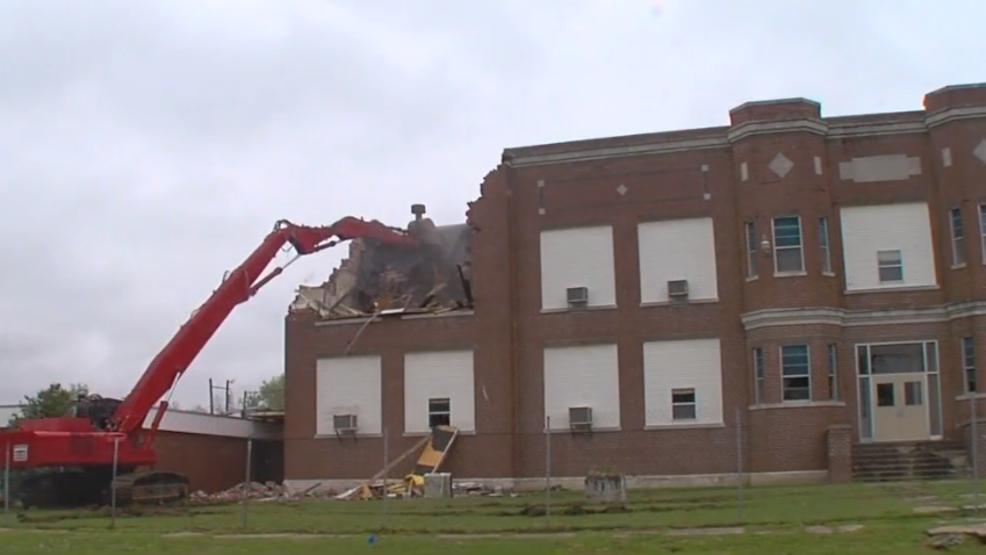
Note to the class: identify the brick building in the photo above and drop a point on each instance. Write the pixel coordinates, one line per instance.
(820, 280)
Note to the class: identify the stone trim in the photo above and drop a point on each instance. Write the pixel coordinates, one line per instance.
(831, 316)
(665, 143)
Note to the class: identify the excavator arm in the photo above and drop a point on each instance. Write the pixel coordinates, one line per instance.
(237, 287)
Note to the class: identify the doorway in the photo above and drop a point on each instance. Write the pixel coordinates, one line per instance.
(899, 391)
(900, 411)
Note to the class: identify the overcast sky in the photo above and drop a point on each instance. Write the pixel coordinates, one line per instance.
(148, 146)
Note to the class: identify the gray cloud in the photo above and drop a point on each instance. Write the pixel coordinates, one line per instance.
(147, 147)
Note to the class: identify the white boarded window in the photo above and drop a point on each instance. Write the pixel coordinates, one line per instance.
(576, 258)
(677, 249)
(869, 229)
(582, 376)
(348, 386)
(678, 373)
(438, 386)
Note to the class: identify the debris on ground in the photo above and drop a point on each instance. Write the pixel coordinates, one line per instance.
(266, 492)
(434, 448)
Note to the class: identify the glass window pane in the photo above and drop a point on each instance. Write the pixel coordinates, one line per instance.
(897, 359)
(789, 260)
(934, 405)
(888, 257)
(865, 421)
(884, 394)
(912, 394)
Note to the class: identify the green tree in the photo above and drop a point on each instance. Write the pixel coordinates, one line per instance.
(271, 394)
(52, 402)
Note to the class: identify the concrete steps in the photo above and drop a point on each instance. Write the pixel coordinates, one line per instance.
(910, 460)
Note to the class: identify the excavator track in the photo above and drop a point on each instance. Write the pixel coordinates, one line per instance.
(87, 487)
(150, 487)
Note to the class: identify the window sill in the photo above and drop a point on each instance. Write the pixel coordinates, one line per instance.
(958, 266)
(790, 274)
(679, 303)
(604, 429)
(970, 396)
(578, 309)
(684, 426)
(750, 279)
(891, 289)
(423, 434)
(828, 274)
(361, 435)
(797, 405)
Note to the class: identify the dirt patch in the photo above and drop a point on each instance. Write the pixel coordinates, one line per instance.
(707, 531)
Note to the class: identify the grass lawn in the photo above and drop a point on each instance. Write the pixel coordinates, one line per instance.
(823, 519)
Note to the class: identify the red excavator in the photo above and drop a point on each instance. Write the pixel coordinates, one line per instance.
(65, 462)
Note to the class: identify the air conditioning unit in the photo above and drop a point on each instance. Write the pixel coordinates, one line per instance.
(577, 296)
(678, 289)
(344, 424)
(580, 418)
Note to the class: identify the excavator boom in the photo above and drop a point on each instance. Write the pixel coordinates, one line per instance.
(236, 288)
(96, 441)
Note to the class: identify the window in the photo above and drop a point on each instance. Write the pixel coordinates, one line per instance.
(760, 376)
(969, 364)
(890, 266)
(958, 237)
(751, 249)
(884, 394)
(982, 229)
(823, 240)
(787, 245)
(683, 404)
(913, 394)
(796, 373)
(439, 412)
(833, 373)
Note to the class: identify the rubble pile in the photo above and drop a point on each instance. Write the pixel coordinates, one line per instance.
(380, 277)
(268, 491)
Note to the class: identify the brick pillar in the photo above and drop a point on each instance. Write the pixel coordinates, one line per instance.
(980, 446)
(840, 454)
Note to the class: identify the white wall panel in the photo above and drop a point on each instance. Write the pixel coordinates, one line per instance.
(677, 249)
(439, 375)
(868, 229)
(578, 257)
(684, 364)
(582, 376)
(349, 385)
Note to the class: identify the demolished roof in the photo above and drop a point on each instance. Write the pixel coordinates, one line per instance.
(378, 276)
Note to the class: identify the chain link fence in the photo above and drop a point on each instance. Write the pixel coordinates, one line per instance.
(727, 499)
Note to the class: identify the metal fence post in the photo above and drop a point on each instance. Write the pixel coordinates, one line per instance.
(6, 487)
(386, 473)
(974, 423)
(547, 471)
(739, 463)
(247, 485)
(116, 460)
